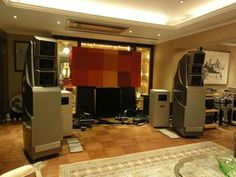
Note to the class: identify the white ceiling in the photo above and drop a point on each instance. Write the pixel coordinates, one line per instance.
(180, 19)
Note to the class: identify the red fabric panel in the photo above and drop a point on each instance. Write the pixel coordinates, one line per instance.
(95, 78)
(125, 61)
(79, 77)
(110, 78)
(95, 60)
(78, 63)
(124, 79)
(98, 67)
(110, 60)
(136, 61)
(136, 78)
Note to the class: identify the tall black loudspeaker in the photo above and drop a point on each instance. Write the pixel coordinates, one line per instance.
(107, 101)
(85, 99)
(128, 98)
(45, 65)
(145, 104)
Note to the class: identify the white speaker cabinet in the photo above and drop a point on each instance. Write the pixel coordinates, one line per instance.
(66, 112)
(159, 107)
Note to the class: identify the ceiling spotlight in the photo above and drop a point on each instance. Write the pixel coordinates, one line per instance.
(158, 34)
(130, 31)
(181, 1)
(58, 22)
(15, 17)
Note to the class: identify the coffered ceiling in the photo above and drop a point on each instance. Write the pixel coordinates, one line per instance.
(141, 21)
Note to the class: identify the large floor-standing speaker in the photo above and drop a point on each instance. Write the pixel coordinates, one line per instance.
(189, 95)
(85, 99)
(107, 102)
(128, 98)
(45, 65)
(145, 104)
(41, 100)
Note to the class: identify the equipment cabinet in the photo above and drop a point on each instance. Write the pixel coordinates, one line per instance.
(211, 111)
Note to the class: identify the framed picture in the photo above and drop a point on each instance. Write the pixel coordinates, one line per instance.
(20, 48)
(216, 68)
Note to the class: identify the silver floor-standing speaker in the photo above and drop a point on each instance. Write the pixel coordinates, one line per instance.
(42, 121)
(189, 95)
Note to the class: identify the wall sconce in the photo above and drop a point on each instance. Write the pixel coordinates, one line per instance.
(66, 50)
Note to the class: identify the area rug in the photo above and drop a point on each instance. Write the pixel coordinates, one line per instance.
(201, 161)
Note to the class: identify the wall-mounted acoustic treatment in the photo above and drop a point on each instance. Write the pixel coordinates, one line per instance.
(107, 68)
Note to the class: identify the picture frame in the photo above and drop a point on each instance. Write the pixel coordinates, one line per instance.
(20, 48)
(216, 68)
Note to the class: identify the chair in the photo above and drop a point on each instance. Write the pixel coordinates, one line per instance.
(26, 170)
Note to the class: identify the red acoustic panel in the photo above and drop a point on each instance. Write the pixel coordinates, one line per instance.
(110, 78)
(108, 68)
(110, 61)
(125, 64)
(79, 77)
(135, 78)
(136, 62)
(95, 78)
(124, 79)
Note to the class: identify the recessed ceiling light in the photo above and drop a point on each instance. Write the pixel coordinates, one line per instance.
(58, 22)
(158, 34)
(15, 17)
(130, 31)
(181, 1)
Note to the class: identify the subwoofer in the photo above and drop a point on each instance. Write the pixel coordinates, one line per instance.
(85, 99)
(128, 99)
(108, 101)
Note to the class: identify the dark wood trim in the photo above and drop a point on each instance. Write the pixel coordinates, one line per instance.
(4, 102)
(151, 68)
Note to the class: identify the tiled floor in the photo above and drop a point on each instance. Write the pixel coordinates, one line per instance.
(99, 142)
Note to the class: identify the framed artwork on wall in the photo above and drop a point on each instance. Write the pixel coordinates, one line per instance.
(20, 48)
(216, 68)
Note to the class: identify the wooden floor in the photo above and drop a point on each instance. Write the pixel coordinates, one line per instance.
(99, 142)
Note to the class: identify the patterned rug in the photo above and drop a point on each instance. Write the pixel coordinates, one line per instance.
(192, 160)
